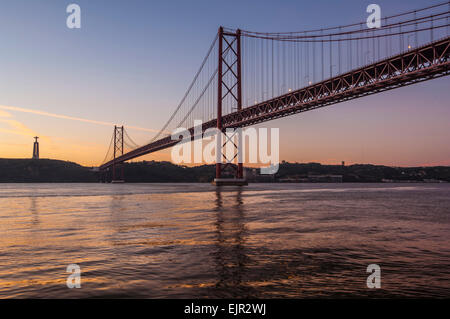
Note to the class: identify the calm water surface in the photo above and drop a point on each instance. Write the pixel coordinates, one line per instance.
(191, 240)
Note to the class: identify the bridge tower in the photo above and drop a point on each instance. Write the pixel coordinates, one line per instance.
(118, 151)
(36, 148)
(229, 83)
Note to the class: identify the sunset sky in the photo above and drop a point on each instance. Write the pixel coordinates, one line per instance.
(131, 62)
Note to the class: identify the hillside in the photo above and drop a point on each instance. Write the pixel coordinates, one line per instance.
(365, 173)
(43, 170)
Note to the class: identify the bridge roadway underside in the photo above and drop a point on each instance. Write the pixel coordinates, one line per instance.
(417, 65)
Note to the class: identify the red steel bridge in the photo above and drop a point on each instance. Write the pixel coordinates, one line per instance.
(253, 77)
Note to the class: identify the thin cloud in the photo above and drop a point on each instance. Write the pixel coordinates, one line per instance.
(5, 114)
(72, 118)
(17, 128)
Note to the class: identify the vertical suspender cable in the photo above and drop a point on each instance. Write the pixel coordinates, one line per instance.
(331, 58)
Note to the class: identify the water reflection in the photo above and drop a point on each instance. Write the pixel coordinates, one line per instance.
(231, 253)
(116, 203)
(34, 212)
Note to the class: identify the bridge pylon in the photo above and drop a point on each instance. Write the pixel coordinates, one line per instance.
(118, 177)
(229, 81)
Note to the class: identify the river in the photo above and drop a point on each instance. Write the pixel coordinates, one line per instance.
(196, 241)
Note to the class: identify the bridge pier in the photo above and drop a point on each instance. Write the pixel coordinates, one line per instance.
(118, 178)
(103, 176)
(230, 182)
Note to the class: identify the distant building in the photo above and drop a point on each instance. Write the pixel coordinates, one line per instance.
(36, 148)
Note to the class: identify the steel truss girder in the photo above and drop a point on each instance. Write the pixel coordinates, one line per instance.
(424, 63)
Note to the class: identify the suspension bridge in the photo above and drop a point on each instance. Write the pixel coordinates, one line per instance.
(249, 77)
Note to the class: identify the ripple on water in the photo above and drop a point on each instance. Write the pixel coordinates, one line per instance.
(192, 240)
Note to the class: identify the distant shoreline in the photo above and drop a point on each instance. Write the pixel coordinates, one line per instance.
(56, 171)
